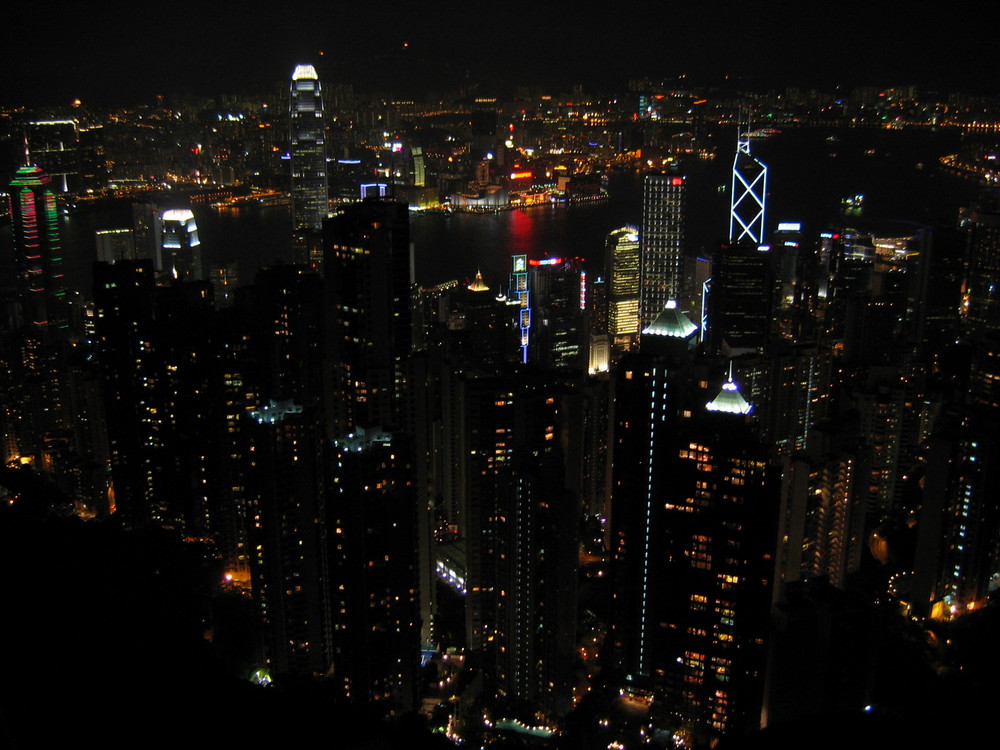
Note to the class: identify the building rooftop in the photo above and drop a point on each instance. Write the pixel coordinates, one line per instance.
(307, 72)
(478, 285)
(729, 400)
(671, 322)
(30, 175)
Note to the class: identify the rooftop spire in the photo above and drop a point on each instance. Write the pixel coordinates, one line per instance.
(478, 285)
(729, 400)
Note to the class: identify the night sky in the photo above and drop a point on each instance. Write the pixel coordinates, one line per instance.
(121, 53)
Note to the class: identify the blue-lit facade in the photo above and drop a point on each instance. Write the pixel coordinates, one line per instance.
(520, 293)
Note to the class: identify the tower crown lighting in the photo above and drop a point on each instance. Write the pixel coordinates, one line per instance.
(307, 72)
(749, 192)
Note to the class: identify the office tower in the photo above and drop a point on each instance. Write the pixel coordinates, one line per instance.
(791, 286)
(520, 292)
(310, 191)
(368, 291)
(180, 246)
(147, 221)
(623, 300)
(419, 167)
(694, 511)
(476, 327)
(115, 244)
(55, 146)
(662, 246)
(41, 287)
(740, 301)
(748, 195)
(597, 304)
(559, 289)
(37, 323)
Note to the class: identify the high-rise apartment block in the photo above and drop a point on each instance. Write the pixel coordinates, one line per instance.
(368, 295)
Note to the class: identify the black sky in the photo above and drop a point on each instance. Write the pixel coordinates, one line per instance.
(127, 52)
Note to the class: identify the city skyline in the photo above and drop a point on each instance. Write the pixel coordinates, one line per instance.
(633, 486)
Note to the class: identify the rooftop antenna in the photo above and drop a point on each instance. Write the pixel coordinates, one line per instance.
(746, 211)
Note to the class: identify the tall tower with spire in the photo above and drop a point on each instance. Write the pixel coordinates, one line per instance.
(749, 192)
(310, 190)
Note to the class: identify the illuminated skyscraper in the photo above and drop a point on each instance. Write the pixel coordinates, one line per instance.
(662, 244)
(37, 319)
(180, 246)
(40, 283)
(741, 296)
(746, 211)
(310, 199)
(623, 270)
(694, 509)
(519, 291)
(559, 287)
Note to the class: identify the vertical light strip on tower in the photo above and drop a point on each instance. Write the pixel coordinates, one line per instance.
(746, 212)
